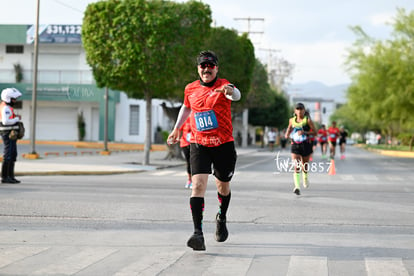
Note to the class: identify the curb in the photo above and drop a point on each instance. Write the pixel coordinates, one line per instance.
(392, 153)
(160, 167)
(98, 145)
(75, 173)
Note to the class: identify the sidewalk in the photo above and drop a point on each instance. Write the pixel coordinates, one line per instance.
(115, 163)
(118, 162)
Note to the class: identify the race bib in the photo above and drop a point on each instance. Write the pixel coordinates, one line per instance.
(188, 137)
(205, 120)
(332, 135)
(296, 137)
(323, 138)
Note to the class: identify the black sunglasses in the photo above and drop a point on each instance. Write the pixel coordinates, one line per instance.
(209, 65)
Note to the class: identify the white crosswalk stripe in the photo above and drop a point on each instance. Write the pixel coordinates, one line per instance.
(162, 172)
(228, 266)
(347, 177)
(180, 174)
(308, 265)
(370, 177)
(11, 255)
(395, 178)
(75, 263)
(316, 177)
(151, 264)
(385, 266)
(162, 261)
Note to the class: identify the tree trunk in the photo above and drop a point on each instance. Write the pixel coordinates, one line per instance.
(411, 142)
(174, 151)
(171, 112)
(262, 137)
(148, 115)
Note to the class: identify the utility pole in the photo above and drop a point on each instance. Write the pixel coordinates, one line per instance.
(249, 21)
(270, 63)
(33, 154)
(278, 69)
(245, 117)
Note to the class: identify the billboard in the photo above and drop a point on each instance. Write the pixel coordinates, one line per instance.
(48, 33)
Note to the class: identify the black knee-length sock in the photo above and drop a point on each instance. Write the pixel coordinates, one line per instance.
(197, 209)
(224, 202)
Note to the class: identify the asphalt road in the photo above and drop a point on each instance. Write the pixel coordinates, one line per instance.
(359, 221)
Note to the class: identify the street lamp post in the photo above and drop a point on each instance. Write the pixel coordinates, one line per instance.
(105, 149)
(106, 120)
(33, 153)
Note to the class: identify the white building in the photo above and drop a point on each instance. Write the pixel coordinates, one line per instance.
(66, 88)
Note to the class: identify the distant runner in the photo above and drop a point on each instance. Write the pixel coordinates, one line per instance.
(299, 129)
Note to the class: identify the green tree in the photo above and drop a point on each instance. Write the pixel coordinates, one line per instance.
(260, 93)
(274, 114)
(382, 89)
(142, 47)
(267, 107)
(236, 59)
(345, 116)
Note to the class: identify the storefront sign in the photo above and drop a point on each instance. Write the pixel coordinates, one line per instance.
(65, 34)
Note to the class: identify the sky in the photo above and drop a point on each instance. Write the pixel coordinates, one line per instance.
(312, 35)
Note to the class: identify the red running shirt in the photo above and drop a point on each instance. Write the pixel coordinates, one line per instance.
(186, 136)
(333, 134)
(311, 136)
(210, 118)
(322, 136)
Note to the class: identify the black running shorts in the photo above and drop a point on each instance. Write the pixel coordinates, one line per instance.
(223, 158)
(304, 149)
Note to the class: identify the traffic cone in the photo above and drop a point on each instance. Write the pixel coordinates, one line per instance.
(332, 168)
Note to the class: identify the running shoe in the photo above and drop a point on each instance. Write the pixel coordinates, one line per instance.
(296, 191)
(188, 185)
(196, 242)
(342, 156)
(221, 229)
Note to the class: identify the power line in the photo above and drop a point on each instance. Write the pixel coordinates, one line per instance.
(249, 20)
(67, 6)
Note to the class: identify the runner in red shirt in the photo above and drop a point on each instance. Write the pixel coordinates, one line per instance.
(185, 148)
(323, 140)
(312, 140)
(208, 100)
(333, 134)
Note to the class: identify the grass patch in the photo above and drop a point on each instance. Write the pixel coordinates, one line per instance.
(388, 147)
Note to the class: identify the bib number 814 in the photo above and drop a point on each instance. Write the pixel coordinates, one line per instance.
(206, 120)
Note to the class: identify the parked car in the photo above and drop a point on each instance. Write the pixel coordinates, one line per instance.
(350, 141)
(371, 138)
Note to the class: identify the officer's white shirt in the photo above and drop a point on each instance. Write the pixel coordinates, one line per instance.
(6, 113)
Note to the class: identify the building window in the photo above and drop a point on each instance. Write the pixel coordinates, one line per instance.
(134, 120)
(14, 49)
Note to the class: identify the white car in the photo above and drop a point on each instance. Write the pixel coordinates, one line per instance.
(350, 141)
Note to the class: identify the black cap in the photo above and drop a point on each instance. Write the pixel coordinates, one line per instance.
(207, 57)
(299, 106)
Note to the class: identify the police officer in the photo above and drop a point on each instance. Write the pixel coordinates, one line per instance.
(8, 126)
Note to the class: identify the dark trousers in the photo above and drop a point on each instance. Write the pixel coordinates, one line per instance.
(9, 158)
(10, 148)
